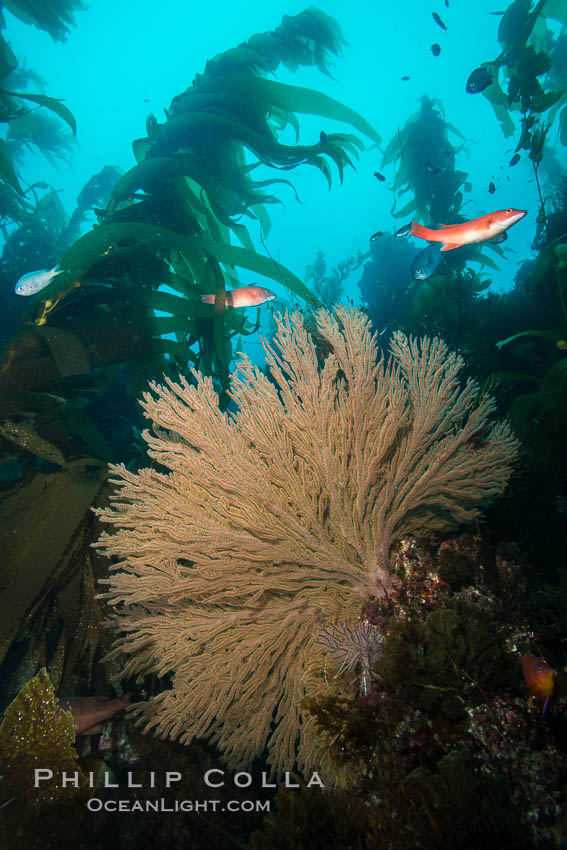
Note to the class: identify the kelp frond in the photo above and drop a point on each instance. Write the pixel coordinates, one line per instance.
(55, 17)
(426, 165)
(171, 218)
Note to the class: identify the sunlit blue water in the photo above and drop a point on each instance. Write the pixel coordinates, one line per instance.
(122, 62)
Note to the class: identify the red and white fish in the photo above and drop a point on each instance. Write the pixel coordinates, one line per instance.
(244, 296)
(32, 282)
(481, 229)
(90, 712)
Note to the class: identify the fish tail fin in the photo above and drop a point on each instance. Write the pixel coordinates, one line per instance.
(422, 232)
(208, 299)
(91, 730)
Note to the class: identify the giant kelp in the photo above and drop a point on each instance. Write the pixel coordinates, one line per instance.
(531, 369)
(426, 165)
(55, 17)
(35, 237)
(29, 535)
(106, 324)
(169, 218)
(328, 285)
(43, 132)
(528, 76)
(47, 590)
(195, 181)
(29, 214)
(35, 129)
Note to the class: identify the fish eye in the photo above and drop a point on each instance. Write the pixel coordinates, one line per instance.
(508, 211)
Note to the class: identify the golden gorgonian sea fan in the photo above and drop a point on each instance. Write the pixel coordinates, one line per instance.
(279, 518)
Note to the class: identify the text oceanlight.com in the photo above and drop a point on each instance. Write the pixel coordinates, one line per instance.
(95, 804)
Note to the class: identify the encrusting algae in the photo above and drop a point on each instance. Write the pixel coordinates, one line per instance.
(37, 732)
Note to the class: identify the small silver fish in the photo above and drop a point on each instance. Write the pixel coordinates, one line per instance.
(403, 230)
(33, 282)
(426, 262)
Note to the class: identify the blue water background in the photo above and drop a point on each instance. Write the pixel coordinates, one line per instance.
(124, 60)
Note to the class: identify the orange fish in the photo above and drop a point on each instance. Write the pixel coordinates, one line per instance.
(539, 678)
(481, 229)
(90, 712)
(244, 296)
